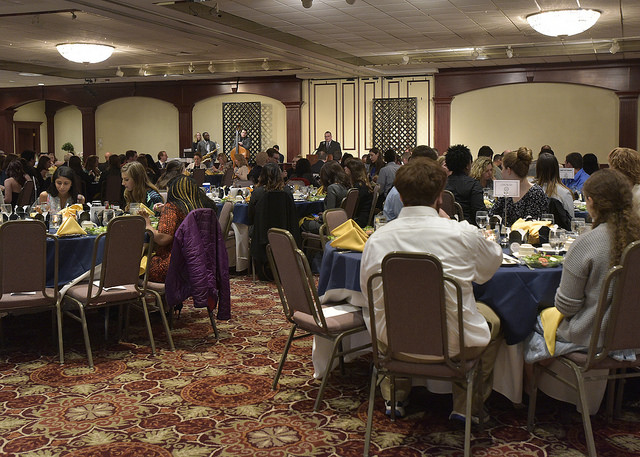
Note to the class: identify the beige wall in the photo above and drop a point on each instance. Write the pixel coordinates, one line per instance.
(344, 107)
(34, 112)
(567, 117)
(207, 117)
(143, 124)
(68, 127)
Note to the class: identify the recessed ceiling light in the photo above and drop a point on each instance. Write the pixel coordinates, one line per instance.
(29, 74)
(40, 84)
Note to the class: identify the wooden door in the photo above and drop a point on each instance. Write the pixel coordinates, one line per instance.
(27, 135)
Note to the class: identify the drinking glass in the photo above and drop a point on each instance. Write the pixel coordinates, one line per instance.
(107, 215)
(379, 221)
(547, 217)
(7, 209)
(56, 220)
(577, 225)
(557, 239)
(482, 219)
(134, 209)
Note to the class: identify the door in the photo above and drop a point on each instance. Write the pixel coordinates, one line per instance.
(27, 135)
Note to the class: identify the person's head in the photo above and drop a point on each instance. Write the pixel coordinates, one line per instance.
(44, 163)
(63, 183)
(142, 158)
(627, 162)
(406, 156)
(261, 158)
(135, 182)
(516, 163)
(197, 136)
(15, 170)
(271, 177)
(497, 160)
(197, 160)
(366, 159)
(243, 133)
(276, 147)
(131, 155)
(173, 169)
(162, 156)
(421, 182)
(29, 157)
(303, 166)
(574, 160)
(458, 159)
(273, 155)
(222, 158)
(356, 172)
(546, 149)
(485, 151)
(374, 155)
(186, 195)
(75, 164)
(590, 163)
(91, 163)
(294, 161)
(241, 160)
(482, 170)
(205, 135)
(609, 199)
(327, 136)
(114, 163)
(106, 156)
(548, 173)
(332, 172)
(424, 151)
(346, 156)
(389, 156)
(52, 156)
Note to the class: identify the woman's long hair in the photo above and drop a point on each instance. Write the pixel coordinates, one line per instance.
(612, 199)
(358, 173)
(173, 169)
(15, 170)
(141, 183)
(65, 172)
(271, 177)
(186, 195)
(331, 172)
(548, 173)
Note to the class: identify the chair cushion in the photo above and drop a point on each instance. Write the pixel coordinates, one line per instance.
(157, 286)
(38, 300)
(580, 358)
(335, 325)
(79, 292)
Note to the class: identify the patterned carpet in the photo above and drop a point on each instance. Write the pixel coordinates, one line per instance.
(214, 398)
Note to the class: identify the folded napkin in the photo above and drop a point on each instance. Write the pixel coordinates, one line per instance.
(70, 227)
(349, 236)
(550, 318)
(533, 227)
(71, 210)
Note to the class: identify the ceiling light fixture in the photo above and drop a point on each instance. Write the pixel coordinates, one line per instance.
(615, 47)
(475, 54)
(509, 52)
(85, 52)
(211, 68)
(405, 59)
(142, 72)
(265, 65)
(307, 3)
(119, 73)
(563, 22)
(191, 68)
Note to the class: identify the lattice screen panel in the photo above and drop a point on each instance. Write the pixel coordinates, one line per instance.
(395, 123)
(248, 115)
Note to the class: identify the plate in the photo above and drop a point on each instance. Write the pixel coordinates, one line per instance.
(510, 262)
(543, 260)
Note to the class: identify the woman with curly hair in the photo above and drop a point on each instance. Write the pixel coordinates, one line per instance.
(357, 174)
(137, 186)
(482, 171)
(627, 162)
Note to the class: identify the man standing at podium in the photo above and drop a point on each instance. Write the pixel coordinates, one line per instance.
(330, 147)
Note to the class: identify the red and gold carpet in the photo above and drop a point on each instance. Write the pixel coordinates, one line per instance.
(214, 398)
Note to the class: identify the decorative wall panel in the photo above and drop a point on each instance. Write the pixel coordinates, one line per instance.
(395, 123)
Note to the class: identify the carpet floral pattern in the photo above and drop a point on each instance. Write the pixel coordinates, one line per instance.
(214, 398)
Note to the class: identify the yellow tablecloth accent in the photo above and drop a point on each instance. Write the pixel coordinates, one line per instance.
(550, 318)
(349, 236)
(532, 227)
(71, 210)
(70, 227)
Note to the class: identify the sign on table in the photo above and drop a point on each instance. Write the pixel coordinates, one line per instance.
(506, 188)
(567, 173)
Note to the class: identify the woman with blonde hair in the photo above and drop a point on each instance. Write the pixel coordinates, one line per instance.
(137, 186)
(532, 201)
(482, 171)
(242, 170)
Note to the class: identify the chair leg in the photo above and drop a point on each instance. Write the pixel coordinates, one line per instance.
(467, 423)
(586, 419)
(213, 324)
(284, 357)
(325, 378)
(106, 324)
(611, 393)
(617, 410)
(167, 327)
(533, 396)
(60, 341)
(85, 333)
(145, 310)
(392, 386)
(372, 397)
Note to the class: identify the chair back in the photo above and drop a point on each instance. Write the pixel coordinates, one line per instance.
(448, 203)
(23, 263)
(334, 217)
(293, 276)
(198, 176)
(415, 311)
(622, 304)
(459, 215)
(374, 202)
(27, 194)
(243, 183)
(112, 193)
(226, 218)
(350, 202)
(227, 178)
(304, 181)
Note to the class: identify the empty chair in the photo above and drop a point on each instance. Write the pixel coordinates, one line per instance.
(350, 202)
(448, 203)
(198, 175)
(302, 307)
(226, 218)
(416, 323)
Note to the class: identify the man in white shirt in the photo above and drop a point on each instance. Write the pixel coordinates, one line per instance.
(465, 255)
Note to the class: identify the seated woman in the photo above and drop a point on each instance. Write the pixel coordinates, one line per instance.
(63, 190)
(627, 162)
(242, 170)
(466, 190)
(137, 187)
(548, 177)
(197, 163)
(357, 174)
(256, 170)
(532, 200)
(183, 196)
(16, 177)
(223, 163)
(482, 171)
(615, 225)
(303, 170)
(173, 169)
(335, 181)
(43, 180)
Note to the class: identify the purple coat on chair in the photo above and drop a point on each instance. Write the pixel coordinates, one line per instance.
(199, 265)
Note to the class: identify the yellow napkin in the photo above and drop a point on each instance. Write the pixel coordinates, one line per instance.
(349, 236)
(146, 209)
(71, 210)
(550, 319)
(70, 227)
(532, 227)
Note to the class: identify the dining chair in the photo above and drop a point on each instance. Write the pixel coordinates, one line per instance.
(350, 202)
(614, 329)
(416, 323)
(226, 219)
(117, 280)
(302, 307)
(27, 194)
(448, 203)
(198, 176)
(374, 203)
(113, 190)
(23, 272)
(331, 218)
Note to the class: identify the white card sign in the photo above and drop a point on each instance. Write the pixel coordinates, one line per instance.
(506, 188)
(567, 173)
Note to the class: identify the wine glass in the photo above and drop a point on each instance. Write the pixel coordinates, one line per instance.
(107, 215)
(557, 239)
(45, 207)
(6, 209)
(482, 219)
(547, 217)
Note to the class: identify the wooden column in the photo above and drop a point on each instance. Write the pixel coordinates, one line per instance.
(628, 123)
(185, 127)
(88, 130)
(6, 130)
(442, 123)
(294, 124)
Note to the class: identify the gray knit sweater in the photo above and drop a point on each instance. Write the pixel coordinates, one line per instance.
(584, 271)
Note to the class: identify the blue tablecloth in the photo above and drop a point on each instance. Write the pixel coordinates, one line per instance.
(241, 210)
(514, 293)
(74, 257)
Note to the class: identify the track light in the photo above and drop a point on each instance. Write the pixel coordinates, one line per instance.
(509, 52)
(307, 3)
(615, 47)
(265, 65)
(405, 59)
(191, 68)
(211, 68)
(475, 54)
(119, 73)
(350, 2)
(142, 72)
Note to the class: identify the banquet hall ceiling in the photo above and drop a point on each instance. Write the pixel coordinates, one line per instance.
(226, 39)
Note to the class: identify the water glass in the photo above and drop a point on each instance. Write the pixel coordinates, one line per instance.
(134, 209)
(56, 221)
(577, 225)
(107, 215)
(547, 217)
(557, 239)
(482, 219)
(7, 209)
(379, 221)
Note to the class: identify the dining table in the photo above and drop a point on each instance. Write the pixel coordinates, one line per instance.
(74, 257)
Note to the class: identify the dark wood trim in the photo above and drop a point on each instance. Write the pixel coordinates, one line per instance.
(628, 127)
(294, 125)
(88, 130)
(31, 125)
(6, 130)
